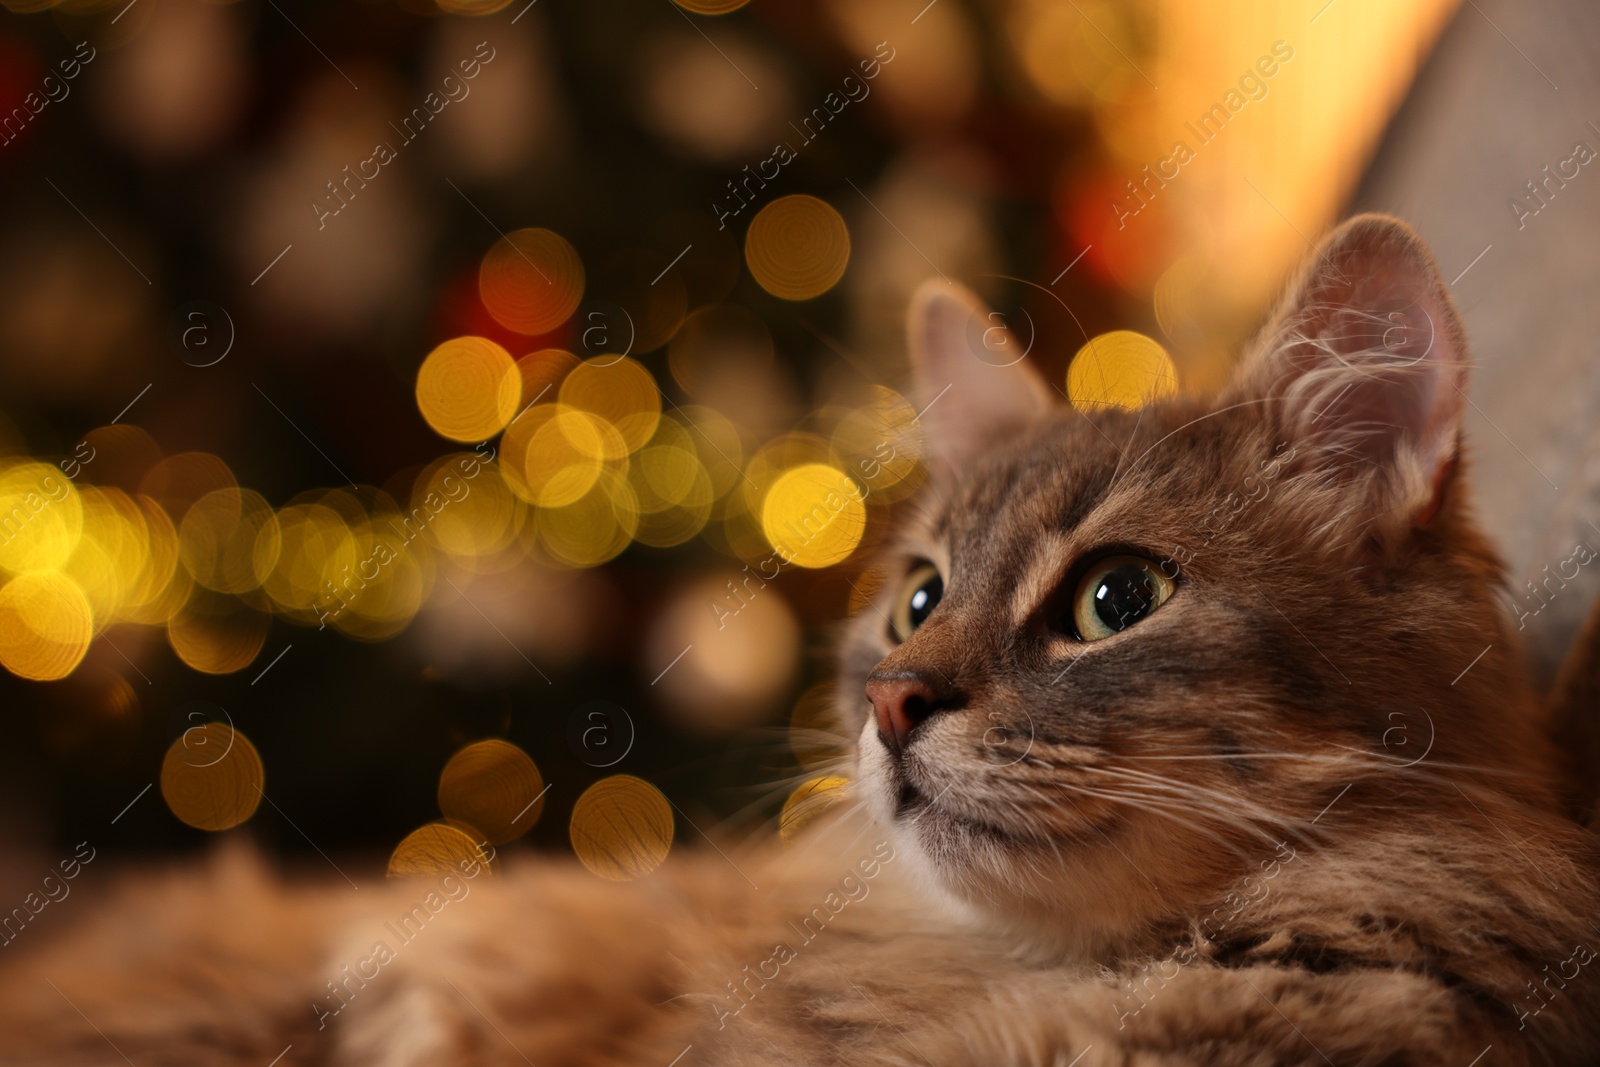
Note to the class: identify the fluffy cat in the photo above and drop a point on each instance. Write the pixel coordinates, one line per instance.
(1192, 735)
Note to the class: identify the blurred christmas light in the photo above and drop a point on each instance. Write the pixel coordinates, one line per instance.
(229, 540)
(215, 634)
(814, 515)
(531, 281)
(619, 391)
(797, 247)
(468, 389)
(743, 645)
(621, 828)
(439, 848)
(494, 787)
(1121, 369)
(212, 777)
(809, 801)
(45, 625)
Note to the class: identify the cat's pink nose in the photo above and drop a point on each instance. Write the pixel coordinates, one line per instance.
(901, 701)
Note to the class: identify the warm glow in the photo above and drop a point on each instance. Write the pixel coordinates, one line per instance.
(531, 281)
(1121, 369)
(468, 389)
(622, 828)
(493, 787)
(797, 247)
(814, 515)
(212, 777)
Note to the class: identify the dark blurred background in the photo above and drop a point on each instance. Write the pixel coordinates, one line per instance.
(276, 279)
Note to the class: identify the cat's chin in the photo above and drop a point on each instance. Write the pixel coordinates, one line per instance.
(1043, 898)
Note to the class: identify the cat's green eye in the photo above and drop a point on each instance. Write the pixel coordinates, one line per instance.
(1117, 592)
(918, 597)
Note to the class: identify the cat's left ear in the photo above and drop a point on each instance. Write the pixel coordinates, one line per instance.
(1363, 371)
(972, 379)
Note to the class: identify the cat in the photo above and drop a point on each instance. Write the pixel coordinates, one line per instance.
(1188, 735)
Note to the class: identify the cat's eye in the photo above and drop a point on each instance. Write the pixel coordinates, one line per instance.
(1115, 593)
(918, 597)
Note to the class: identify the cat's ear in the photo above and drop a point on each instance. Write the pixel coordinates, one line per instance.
(971, 378)
(1363, 370)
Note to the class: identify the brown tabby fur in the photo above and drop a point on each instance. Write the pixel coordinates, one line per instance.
(1273, 823)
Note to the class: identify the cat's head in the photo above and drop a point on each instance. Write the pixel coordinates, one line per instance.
(1117, 656)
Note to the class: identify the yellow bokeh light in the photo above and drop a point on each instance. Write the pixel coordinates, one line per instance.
(229, 540)
(161, 586)
(810, 800)
(711, 7)
(464, 506)
(554, 453)
(594, 528)
(439, 848)
(217, 635)
(531, 281)
(621, 828)
(212, 777)
(41, 518)
(46, 625)
(1121, 369)
(178, 481)
(882, 443)
(797, 247)
(814, 515)
(317, 553)
(618, 390)
(494, 787)
(468, 389)
(717, 440)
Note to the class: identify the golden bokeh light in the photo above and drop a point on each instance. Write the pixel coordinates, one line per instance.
(493, 787)
(531, 281)
(711, 7)
(317, 553)
(181, 479)
(464, 506)
(46, 625)
(718, 443)
(1121, 369)
(229, 540)
(797, 247)
(814, 515)
(743, 649)
(120, 454)
(217, 634)
(468, 388)
(41, 517)
(809, 800)
(882, 444)
(622, 828)
(618, 390)
(161, 586)
(212, 777)
(542, 374)
(439, 848)
(673, 490)
(553, 453)
(594, 528)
